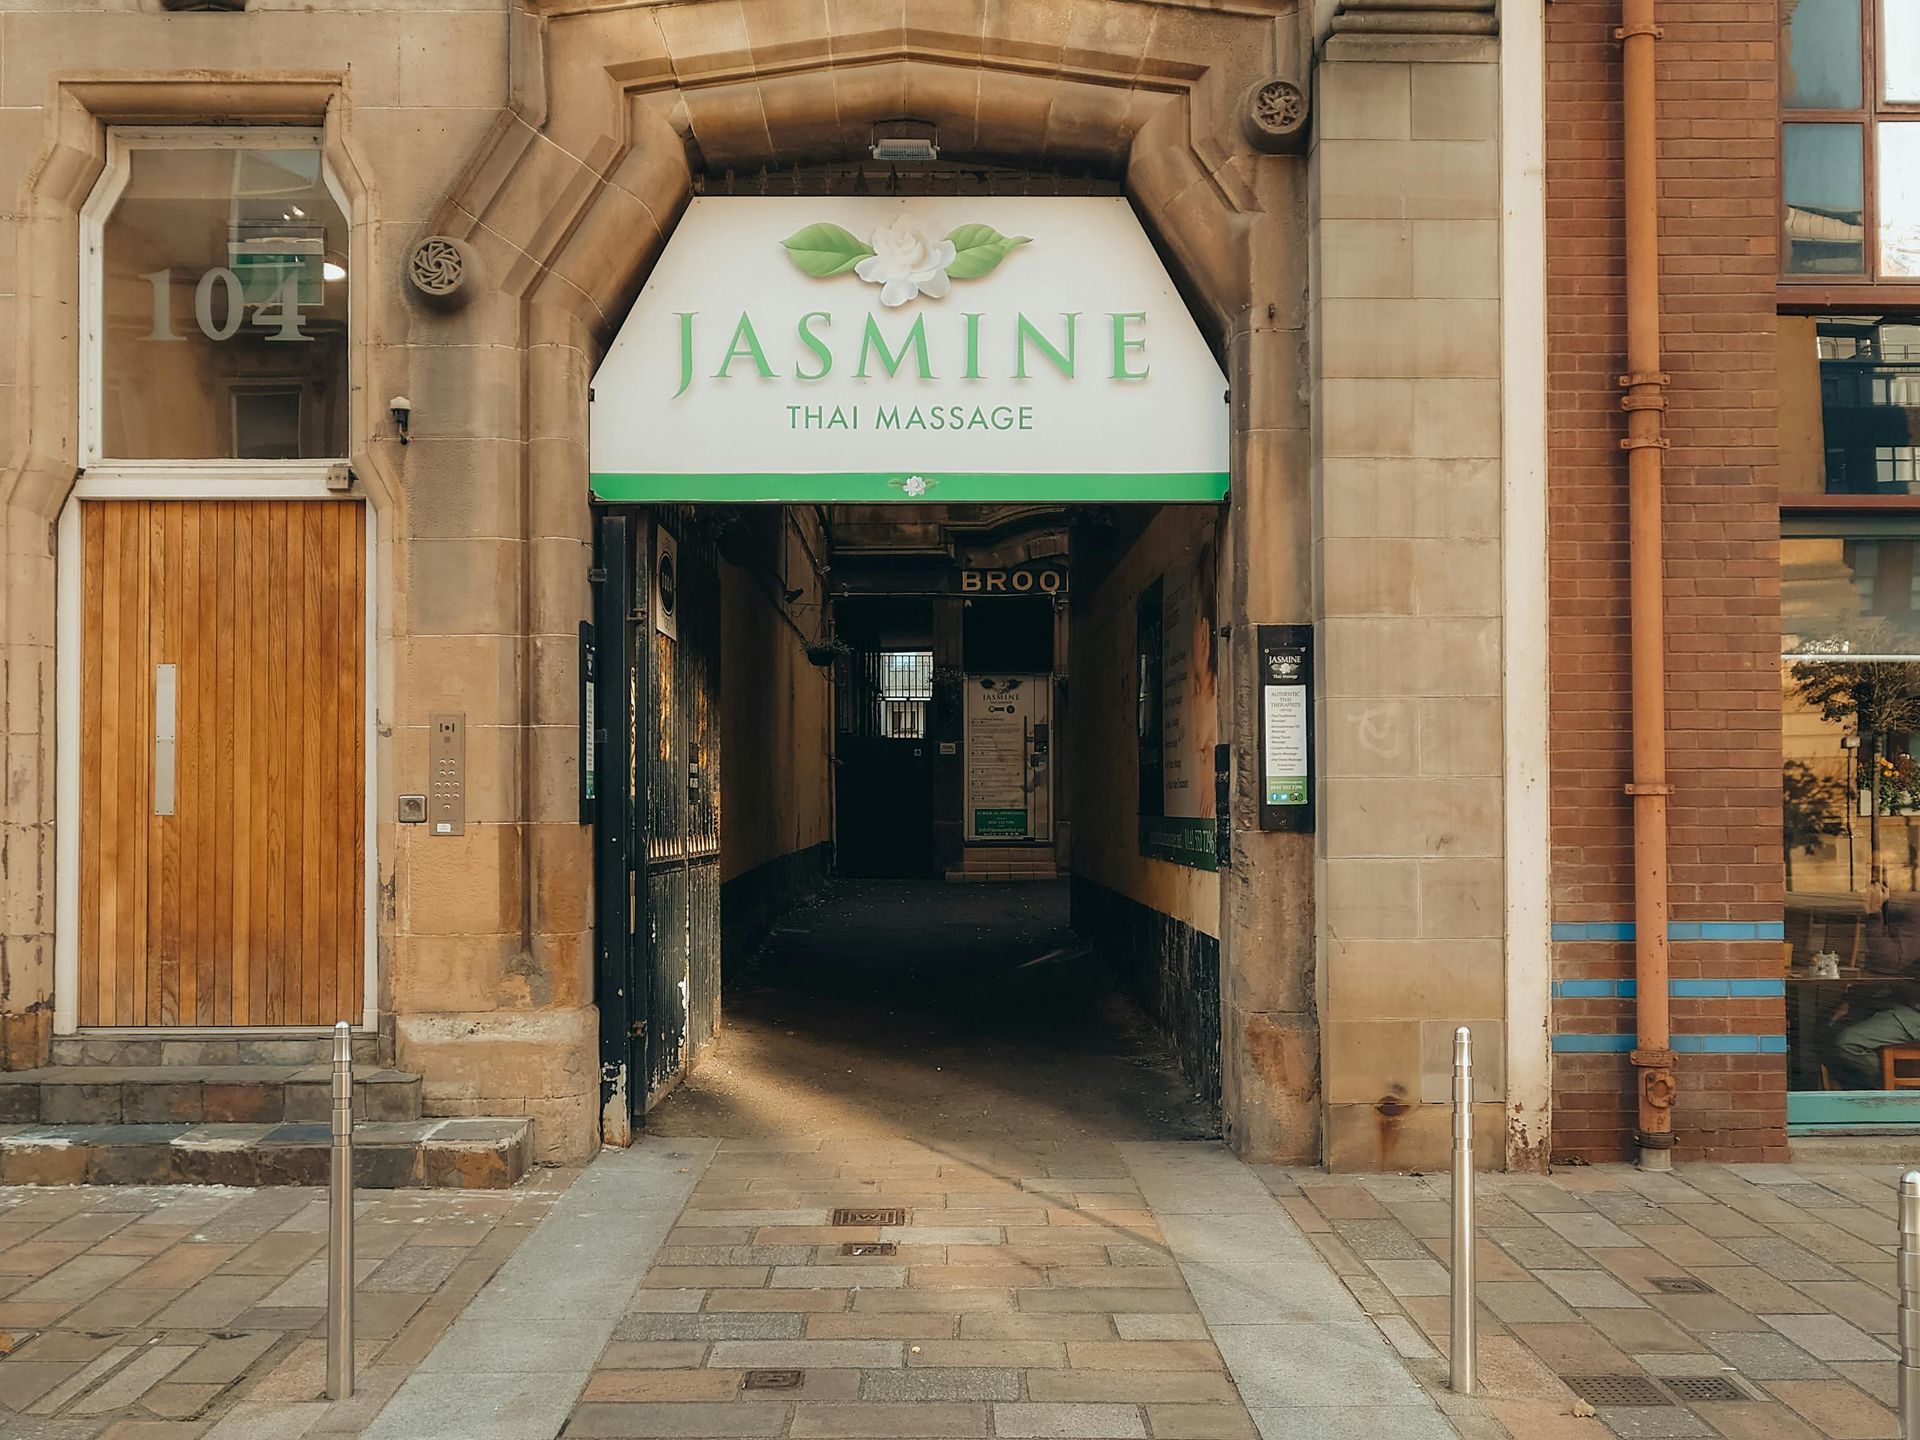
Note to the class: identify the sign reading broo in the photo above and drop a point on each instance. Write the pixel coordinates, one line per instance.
(945, 349)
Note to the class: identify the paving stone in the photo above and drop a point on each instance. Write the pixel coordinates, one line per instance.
(695, 1419)
(1352, 1422)
(1380, 1240)
(1828, 1337)
(1132, 1386)
(1588, 1289)
(893, 1386)
(1633, 1421)
(1837, 1409)
(133, 1380)
(1077, 1422)
(888, 1422)
(1314, 1364)
(1765, 1357)
(1783, 1259)
(1528, 1301)
(1200, 1422)
(866, 1277)
(1538, 1248)
(1158, 1327)
(801, 1354)
(726, 1326)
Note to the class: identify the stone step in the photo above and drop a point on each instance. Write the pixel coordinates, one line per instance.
(197, 1094)
(457, 1154)
(237, 1047)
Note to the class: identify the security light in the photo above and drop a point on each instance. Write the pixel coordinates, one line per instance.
(905, 141)
(401, 408)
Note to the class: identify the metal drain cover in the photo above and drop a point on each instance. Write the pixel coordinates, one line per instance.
(772, 1380)
(869, 1247)
(1599, 1390)
(1705, 1387)
(870, 1217)
(1679, 1285)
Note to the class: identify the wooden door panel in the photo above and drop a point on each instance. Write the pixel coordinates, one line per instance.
(244, 906)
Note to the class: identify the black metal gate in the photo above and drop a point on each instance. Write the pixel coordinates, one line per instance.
(885, 771)
(657, 812)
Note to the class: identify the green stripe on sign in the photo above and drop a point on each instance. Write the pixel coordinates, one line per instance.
(939, 489)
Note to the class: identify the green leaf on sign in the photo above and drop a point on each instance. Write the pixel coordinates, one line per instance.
(824, 249)
(978, 248)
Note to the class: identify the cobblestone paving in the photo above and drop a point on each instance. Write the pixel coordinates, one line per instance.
(174, 1313)
(1033, 1291)
(1772, 1284)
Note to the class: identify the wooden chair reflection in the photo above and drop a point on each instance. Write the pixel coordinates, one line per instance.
(1900, 1067)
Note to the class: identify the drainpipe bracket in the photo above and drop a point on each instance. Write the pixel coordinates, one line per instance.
(1643, 377)
(1644, 442)
(1647, 789)
(1643, 402)
(1627, 32)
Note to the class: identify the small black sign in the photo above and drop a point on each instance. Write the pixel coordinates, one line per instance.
(1284, 755)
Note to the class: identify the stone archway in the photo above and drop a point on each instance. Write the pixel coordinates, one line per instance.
(564, 212)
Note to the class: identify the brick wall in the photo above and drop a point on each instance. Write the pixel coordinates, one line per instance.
(1716, 96)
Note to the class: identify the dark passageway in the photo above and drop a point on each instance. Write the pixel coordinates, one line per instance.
(930, 1009)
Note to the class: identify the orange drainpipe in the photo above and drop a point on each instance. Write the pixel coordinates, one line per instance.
(1645, 404)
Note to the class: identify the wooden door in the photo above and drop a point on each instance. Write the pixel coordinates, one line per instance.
(245, 904)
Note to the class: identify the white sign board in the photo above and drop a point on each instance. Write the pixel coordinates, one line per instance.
(948, 350)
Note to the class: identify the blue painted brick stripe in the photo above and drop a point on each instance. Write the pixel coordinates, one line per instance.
(1693, 989)
(1583, 1044)
(1621, 930)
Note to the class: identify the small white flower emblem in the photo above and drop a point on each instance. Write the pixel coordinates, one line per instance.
(908, 259)
(914, 485)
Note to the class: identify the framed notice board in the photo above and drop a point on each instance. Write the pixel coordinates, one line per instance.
(1286, 778)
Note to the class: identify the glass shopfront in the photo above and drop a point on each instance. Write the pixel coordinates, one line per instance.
(1850, 682)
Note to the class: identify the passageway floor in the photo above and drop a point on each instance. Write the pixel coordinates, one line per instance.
(900, 1008)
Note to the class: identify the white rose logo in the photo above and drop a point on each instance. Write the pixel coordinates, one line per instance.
(907, 257)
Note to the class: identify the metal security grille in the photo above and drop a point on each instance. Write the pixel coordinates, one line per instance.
(1698, 1388)
(678, 761)
(885, 693)
(1617, 1390)
(1679, 1285)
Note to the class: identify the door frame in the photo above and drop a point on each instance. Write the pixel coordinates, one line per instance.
(189, 480)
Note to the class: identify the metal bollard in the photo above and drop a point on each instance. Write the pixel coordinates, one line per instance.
(340, 1222)
(1909, 1275)
(1462, 1336)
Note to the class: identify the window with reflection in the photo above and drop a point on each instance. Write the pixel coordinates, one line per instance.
(1849, 405)
(223, 288)
(1850, 141)
(1850, 821)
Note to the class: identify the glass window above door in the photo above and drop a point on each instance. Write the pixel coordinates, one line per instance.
(222, 292)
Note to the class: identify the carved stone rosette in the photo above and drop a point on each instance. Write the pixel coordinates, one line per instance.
(439, 271)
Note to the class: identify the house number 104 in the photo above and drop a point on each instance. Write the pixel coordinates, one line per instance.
(283, 311)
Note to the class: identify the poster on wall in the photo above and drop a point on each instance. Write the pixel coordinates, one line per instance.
(945, 349)
(1008, 791)
(1176, 823)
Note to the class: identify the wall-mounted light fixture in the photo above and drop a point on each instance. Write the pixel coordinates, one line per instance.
(905, 141)
(401, 408)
